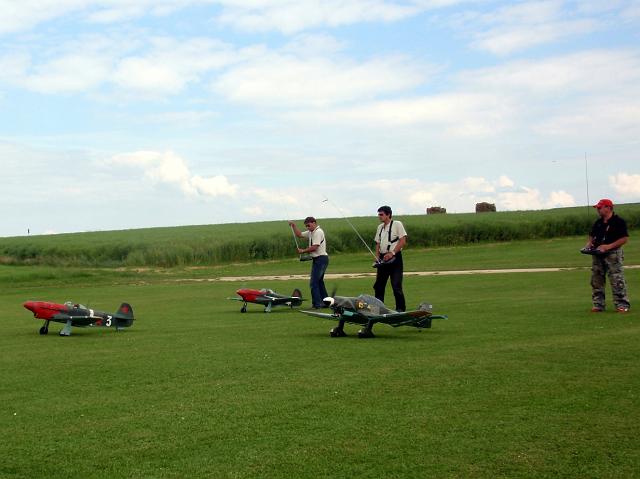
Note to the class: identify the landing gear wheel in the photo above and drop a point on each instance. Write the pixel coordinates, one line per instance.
(44, 330)
(243, 309)
(337, 333)
(365, 333)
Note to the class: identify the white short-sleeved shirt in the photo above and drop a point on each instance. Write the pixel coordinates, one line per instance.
(316, 237)
(382, 235)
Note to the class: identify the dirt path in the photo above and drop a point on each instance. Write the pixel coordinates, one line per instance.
(330, 276)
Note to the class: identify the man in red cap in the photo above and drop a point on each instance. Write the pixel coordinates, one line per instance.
(607, 235)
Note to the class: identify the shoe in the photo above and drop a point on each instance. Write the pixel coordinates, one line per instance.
(596, 310)
(622, 309)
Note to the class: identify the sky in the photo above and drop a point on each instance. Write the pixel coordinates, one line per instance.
(118, 115)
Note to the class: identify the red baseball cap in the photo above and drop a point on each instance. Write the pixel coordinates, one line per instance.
(604, 202)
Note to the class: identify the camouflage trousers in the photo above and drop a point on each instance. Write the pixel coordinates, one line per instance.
(611, 264)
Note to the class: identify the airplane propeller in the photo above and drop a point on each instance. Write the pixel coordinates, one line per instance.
(329, 300)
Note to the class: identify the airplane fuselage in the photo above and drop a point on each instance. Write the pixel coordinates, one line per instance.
(73, 314)
(267, 298)
(61, 313)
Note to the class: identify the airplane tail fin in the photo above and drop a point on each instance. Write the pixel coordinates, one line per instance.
(297, 293)
(124, 316)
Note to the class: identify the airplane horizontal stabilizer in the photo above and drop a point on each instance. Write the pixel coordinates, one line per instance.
(321, 315)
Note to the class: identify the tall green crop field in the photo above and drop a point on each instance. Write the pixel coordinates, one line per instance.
(226, 243)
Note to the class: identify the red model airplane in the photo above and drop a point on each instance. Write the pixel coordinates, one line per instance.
(267, 298)
(73, 314)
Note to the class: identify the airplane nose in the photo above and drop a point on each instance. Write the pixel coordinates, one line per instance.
(328, 301)
(29, 305)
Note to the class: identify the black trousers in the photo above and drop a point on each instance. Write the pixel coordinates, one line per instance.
(394, 271)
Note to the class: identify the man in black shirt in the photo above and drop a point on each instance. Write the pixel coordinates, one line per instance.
(607, 235)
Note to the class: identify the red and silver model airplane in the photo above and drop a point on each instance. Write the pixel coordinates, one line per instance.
(74, 314)
(366, 310)
(267, 298)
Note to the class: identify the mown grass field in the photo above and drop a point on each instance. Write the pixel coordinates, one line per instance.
(521, 381)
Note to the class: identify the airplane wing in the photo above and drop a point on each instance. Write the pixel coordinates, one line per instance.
(347, 316)
(282, 299)
(417, 319)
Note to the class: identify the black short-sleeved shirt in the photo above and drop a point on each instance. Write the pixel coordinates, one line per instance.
(607, 233)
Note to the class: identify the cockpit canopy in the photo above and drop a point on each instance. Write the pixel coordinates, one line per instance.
(72, 305)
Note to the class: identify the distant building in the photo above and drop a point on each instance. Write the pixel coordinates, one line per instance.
(485, 207)
(436, 210)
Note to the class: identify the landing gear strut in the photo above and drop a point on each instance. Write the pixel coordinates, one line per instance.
(367, 331)
(45, 328)
(66, 331)
(338, 331)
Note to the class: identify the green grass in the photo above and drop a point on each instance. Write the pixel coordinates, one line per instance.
(552, 253)
(216, 244)
(521, 381)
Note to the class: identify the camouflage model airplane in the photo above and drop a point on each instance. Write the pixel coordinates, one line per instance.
(267, 298)
(73, 314)
(367, 310)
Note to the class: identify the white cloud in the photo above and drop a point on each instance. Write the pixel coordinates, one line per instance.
(462, 195)
(148, 66)
(586, 94)
(456, 114)
(477, 185)
(314, 44)
(13, 67)
(626, 185)
(505, 182)
(286, 16)
(169, 65)
(17, 16)
(518, 26)
(70, 73)
(609, 118)
(532, 199)
(169, 168)
(254, 211)
(180, 118)
(281, 81)
(148, 75)
(560, 199)
(582, 72)
(506, 40)
(24, 14)
(524, 199)
(212, 186)
(61, 66)
(421, 199)
(291, 16)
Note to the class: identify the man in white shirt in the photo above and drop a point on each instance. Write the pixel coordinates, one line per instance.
(390, 238)
(318, 250)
